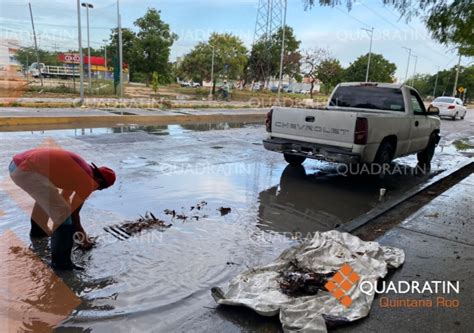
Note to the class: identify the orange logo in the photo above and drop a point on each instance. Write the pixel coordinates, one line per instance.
(341, 283)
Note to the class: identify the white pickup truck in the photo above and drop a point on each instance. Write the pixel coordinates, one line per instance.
(53, 71)
(362, 123)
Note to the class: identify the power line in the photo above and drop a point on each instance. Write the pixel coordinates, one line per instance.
(392, 24)
(353, 17)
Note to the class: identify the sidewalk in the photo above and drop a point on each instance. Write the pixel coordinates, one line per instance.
(439, 246)
(94, 102)
(14, 116)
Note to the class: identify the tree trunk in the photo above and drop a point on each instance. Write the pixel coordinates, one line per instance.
(311, 90)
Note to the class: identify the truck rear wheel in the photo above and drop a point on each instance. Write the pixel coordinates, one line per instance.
(384, 157)
(425, 156)
(294, 159)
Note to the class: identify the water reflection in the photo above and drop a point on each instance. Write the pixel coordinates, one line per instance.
(319, 201)
(173, 129)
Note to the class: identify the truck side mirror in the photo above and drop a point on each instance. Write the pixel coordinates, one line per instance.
(433, 110)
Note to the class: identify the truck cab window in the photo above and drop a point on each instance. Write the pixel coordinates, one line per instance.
(417, 103)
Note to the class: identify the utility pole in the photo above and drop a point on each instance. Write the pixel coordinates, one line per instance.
(457, 75)
(436, 84)
(81, 58)
(36, 45)
(88, 5)
(119, 26)
(408, 63)
(105, 58)
(282, 55)
(414, 71)
(212, 70)
(371, 32)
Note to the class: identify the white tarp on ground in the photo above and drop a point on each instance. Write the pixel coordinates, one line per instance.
(259, 288)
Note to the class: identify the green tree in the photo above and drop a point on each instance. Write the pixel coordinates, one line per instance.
(153, 45)
(27, 55)
(426, 83)
(450, 22)
(381, 70)
(330, 72)
(230, 58)
(265, 56)
(129, 49)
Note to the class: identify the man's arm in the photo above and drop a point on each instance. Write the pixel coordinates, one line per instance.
(85, 242)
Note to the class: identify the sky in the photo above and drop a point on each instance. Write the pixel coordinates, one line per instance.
(334, 28)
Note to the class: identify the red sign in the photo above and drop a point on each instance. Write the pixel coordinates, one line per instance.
(74, 58)
(95, 61)
(69, 58)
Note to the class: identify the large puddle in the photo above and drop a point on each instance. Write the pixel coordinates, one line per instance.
(157, 280)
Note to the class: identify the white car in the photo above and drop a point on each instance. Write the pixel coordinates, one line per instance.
(450, 107)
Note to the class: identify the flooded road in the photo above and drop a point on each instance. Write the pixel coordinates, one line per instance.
(160, 280)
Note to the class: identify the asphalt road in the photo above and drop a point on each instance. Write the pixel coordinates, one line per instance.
(161, 280)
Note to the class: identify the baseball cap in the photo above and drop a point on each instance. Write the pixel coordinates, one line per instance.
(106, 176)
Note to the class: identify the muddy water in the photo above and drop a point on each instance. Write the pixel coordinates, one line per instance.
(160, 280)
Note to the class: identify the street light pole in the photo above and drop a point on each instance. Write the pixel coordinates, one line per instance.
(282, 49)
(436, 83)
(408, 63)
(105, 58)
(88, 5)
(81, 58)
(414, 71)
(36, 46)
(457, 76)
(119, 26)
(212, 70)
(371, 31)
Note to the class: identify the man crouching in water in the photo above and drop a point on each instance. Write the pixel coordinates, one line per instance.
(59, 181)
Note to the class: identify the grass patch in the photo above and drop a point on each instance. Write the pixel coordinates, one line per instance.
(462, 144)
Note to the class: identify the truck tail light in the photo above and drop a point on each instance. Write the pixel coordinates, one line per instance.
(361, 131)
(451, 107)
(268, 121)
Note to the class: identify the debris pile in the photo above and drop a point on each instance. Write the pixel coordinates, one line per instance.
(149, 221)
(297, 284)
(130, 228)
(183, 217)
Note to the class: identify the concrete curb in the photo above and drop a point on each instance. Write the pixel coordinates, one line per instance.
(131, 119)
(388, 205)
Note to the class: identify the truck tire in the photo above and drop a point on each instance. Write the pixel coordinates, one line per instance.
(383, 157)
(294, 159)
(426, 155)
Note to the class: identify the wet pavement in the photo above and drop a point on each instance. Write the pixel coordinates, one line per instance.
(160, 280)
(438, 243)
